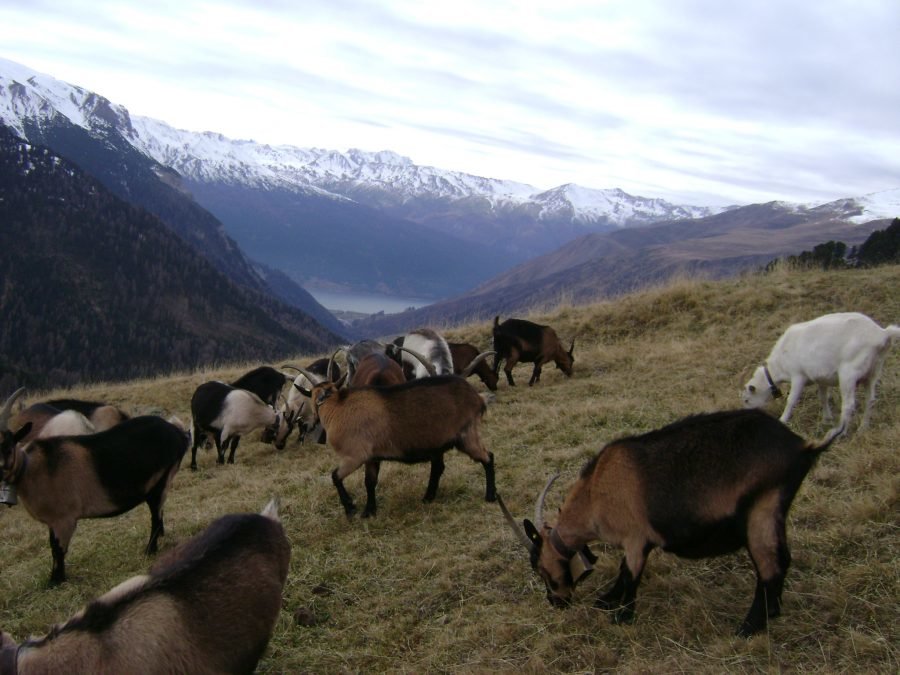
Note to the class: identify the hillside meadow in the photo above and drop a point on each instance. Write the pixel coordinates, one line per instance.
(445, 587)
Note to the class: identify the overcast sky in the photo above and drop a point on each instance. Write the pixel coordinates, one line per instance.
(694, 101)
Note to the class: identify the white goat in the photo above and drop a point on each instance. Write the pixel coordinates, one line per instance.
(844, 349)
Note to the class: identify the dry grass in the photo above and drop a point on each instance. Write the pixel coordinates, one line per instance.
(445, 588)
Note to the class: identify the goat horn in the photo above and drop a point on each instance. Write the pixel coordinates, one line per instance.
(292, 367)
(313, 379)
(429, 366)
(6, 411)
(526, 542)
(328, 375)
(478, 359)
(539, 504)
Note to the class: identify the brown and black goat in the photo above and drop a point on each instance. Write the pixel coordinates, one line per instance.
(207, 606)
(62, 479)
(518, 340)
(704, 486)
(417, 421)
(468, 360)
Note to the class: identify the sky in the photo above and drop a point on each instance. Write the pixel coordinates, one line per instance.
(704, 102)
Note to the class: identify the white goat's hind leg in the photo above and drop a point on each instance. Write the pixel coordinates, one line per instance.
(797, 384)
(825, 400)
(871, 384)
(848, 404)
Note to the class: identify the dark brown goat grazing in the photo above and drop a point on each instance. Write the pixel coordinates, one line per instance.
(207, 606)
(63, 479)
(518, 340)
(417, 421)
(704, 486)
(464, 354)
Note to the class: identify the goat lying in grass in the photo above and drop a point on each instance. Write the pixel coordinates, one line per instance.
(207, 606)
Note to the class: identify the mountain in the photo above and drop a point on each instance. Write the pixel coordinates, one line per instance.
(92, 287)
(88, 130)
(603, 265)
(516, 221)
(356, 220)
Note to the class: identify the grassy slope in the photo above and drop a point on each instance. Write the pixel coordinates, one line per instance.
(445, 587)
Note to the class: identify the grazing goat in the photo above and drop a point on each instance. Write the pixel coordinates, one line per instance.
(228, 414)
(377, 370)
(844, 349)
(464, 355)
(426, 343)
(296, 410)
(207, 606)
(67, 423)
(63, 479)
(417, 421)
(704, 486)
(518, 340)
(265, 381)
(102, 415)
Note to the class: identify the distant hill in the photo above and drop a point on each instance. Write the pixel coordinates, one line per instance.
(92, 287)
(597, 266)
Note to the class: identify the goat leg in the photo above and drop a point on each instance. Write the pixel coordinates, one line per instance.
(372, 469)
(234, 443)
(346, 499)
(490, 489)
(437, 469)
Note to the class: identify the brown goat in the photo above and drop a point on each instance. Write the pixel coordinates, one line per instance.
(377, 370)
(417, 421)
(518, 340)
(207, 606)
(704, 486)
(63, 479)
(464, 354)
(102, 415)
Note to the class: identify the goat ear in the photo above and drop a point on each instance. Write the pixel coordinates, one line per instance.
(532, 532)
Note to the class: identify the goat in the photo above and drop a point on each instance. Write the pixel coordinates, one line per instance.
(207, 606)
(703, 486)
(67, 423)
(228, 413)
(377, 370)
(417, 421)
(102, 415)
(844, 349)
(518, 340)
(464, 355)
(427, 343)
(295, 411)
(265, 381)
(63, 479)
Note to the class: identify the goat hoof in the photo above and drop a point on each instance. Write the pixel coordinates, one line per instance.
(368, 514)
(623, 617)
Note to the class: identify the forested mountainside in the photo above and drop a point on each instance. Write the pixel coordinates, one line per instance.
(92, 287)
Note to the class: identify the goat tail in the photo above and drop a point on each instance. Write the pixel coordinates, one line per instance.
(825, 443)
(271, 510)
(893, 331)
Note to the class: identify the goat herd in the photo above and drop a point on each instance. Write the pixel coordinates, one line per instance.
(729, 479)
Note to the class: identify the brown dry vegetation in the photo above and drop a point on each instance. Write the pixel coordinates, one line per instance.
(445, 587)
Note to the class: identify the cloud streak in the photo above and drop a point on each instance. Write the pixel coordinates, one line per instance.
(694, 100)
